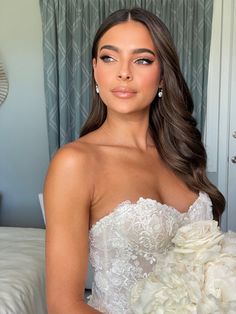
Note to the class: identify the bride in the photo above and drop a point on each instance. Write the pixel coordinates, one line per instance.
(118, 194)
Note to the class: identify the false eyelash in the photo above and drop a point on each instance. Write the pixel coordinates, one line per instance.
(148, 61)
(105, 57)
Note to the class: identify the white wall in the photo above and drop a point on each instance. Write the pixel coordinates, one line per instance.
(23, 132)
(221, 95)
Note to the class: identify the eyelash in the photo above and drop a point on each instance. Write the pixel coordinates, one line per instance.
(105, 58)
(144, 61)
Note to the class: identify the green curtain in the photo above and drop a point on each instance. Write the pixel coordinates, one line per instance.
(68, 30)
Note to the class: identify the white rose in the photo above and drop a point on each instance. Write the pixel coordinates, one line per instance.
(167, 291)
(196, 236)
(229, 243)
(220, 278)
(209, 305)
(198, 275)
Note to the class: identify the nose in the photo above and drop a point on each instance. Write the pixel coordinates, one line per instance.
(124, 76)
(124, 73)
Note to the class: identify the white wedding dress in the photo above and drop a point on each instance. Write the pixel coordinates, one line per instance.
(123, 246)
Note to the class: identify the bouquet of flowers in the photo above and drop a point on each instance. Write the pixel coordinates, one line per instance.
(197, 275)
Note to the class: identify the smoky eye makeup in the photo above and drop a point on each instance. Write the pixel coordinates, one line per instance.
(106, 58)
(144, 61)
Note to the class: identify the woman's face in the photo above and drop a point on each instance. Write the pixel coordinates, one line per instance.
(127, 69)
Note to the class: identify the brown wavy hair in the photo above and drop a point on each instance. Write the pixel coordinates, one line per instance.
(171, 124)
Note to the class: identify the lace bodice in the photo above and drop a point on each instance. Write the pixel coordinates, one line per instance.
(124, 245)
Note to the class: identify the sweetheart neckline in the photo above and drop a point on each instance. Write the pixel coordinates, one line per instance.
(145, 199)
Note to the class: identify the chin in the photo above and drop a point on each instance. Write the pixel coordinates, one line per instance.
(128, 111)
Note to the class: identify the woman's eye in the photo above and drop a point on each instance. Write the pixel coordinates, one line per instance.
(106, 59)
(144, 61)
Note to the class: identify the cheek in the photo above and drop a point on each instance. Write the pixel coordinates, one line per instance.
(102, 75)
(151, 79)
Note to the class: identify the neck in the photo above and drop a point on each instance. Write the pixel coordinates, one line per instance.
(128, 130)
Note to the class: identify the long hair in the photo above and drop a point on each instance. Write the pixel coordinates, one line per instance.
(171, 124)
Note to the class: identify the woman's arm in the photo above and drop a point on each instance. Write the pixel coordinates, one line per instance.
(67, 195)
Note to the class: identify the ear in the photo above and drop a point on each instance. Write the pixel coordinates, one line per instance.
(95, 69)
(160, 84)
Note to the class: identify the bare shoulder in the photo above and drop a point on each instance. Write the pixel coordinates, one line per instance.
(70, 174)
(74, 158)
(74, 153)
(73, 169)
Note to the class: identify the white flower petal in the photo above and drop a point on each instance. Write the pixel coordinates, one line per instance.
(196, 276)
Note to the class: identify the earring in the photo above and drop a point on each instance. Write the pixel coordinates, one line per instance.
(97, 89)
(160, 93)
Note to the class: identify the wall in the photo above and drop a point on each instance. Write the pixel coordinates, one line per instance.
(219, 141)
(23, 132)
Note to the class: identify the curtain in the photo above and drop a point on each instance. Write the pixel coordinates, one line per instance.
(68, 30)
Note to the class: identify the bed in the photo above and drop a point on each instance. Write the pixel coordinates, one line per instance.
(22, 275)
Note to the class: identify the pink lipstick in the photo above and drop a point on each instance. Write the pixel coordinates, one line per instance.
(123, 92)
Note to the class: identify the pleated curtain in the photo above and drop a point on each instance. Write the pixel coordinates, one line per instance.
(68, 30)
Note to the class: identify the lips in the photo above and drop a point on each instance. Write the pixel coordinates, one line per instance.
(123, 92)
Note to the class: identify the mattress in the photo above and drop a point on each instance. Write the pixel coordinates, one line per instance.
(22, 271)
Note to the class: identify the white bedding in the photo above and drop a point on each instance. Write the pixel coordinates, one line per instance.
(22, 279)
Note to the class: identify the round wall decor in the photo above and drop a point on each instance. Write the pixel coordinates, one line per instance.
(3, 84)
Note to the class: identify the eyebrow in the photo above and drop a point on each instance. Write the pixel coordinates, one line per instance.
(134, 51)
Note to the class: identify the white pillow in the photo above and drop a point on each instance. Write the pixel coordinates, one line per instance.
(42, 206)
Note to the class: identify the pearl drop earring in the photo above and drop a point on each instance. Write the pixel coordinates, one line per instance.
(97, 89)
(160, 93)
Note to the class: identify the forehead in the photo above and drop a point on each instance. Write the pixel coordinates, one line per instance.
(130, 34)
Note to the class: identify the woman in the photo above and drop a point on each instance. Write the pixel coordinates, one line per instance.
(137, 173)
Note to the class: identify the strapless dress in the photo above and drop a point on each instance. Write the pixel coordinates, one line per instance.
(124, 245)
